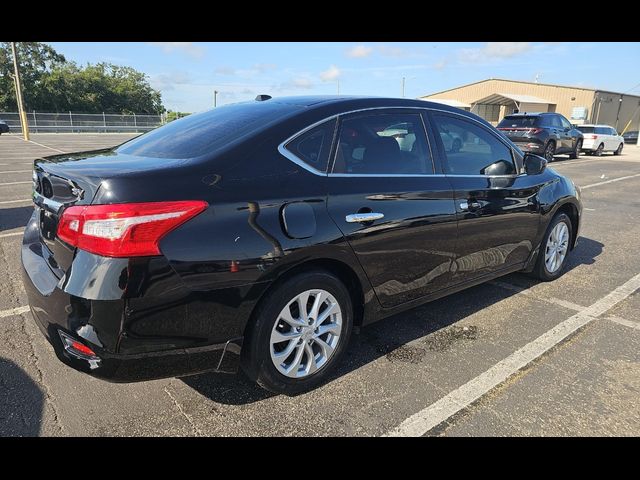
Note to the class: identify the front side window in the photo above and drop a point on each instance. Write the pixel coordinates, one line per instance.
(471, 149)
(313, 146)
(565, 122)
(383, 144)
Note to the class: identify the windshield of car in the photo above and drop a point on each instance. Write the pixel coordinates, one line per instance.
(202, 133)
(518, 122)
(586, 129)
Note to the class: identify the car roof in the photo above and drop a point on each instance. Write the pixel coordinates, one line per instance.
(353, 100)
(594, 125)
(529, 114)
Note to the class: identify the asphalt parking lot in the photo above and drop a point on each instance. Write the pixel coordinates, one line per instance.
(513, 357)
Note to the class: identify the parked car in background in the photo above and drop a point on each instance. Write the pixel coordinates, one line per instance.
(631, 137)
(601, 138)
(257, 235)
(4, 128)
(545, 134)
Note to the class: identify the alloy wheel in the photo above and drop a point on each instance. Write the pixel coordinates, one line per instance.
(549, 152)
(556, 249)
(306, 333)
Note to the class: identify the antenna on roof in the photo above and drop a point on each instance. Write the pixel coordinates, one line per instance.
(262, 98)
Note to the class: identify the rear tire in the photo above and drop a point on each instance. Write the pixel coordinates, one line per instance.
(549, 151)
(619, 150)
(598, 151)
(264, 355)
(557, 240)
(576, 152)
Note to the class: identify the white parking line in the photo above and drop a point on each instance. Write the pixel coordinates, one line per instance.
(624, 321)
(610, 181)
(45, 146)
(525, 291)
(7, 202)
(16, 171)
(13, 311)
(13, 183)
(465, 395)
(12, 234)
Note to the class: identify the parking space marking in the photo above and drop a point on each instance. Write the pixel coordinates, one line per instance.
(525, 291)
(13, 311)
(50, 148)
(12, 234)
(16, 171)
(7, 202)
(459, 399)
(13, 183)
(610, 181)
(624, 321)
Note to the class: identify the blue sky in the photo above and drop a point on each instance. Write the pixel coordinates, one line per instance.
(187, 73)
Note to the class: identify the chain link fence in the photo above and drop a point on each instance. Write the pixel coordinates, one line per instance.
(83, 122)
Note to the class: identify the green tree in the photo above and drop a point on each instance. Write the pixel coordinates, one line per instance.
(36, 60)
(52, 84)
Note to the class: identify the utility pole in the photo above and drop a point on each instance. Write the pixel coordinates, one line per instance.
(403, 79)
(338, 82)
(215, 98)
(23, 115)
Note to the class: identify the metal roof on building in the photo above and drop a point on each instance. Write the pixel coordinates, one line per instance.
(507, 98)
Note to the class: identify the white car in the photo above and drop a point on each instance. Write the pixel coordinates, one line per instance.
(601, 138)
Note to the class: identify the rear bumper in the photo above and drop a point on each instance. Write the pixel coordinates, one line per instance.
(531, 145)
(101, 326)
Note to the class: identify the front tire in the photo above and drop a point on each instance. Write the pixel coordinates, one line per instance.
(576, 152)
(300, 332)
(554, 249)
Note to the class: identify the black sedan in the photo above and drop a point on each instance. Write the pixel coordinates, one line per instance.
(4, 128)
(631, 138)
(257, 235)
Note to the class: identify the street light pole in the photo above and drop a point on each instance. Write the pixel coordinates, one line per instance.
(215, 98)
(23, 115)
(403, 87)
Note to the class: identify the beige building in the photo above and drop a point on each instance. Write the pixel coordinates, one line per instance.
(494, 98)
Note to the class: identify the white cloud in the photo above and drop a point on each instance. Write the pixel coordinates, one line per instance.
(388, 51)
(493, 51)
(188, 48)
(331, 74)
(264, 67)
(302, 83)
(440, 65)
(224, 70)
(166, 82)
(359, 51)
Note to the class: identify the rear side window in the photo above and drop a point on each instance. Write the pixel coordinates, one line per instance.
(204, 133)
(602, 130)
(392, 144)
(313, 147)
(519, 122)
(471, 149)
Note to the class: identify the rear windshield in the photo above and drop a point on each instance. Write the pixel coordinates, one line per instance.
(205, 132)
(519, 122)
(586, 129)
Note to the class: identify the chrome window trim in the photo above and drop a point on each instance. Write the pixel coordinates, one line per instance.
(301, 163)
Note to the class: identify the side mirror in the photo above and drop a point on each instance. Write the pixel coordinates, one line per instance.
(534, 164)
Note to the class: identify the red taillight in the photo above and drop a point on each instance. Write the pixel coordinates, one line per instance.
(591, 137)
(124, 230)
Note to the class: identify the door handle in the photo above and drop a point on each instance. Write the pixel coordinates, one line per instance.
(363, 217)
(470, 205)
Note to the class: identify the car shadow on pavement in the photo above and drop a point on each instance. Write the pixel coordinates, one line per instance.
(14, 217)
(389, 337)
(21, 402)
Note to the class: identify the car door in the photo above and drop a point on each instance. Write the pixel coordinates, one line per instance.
(613, 139)
(397, 215)
(566, 134)
(495, 203)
